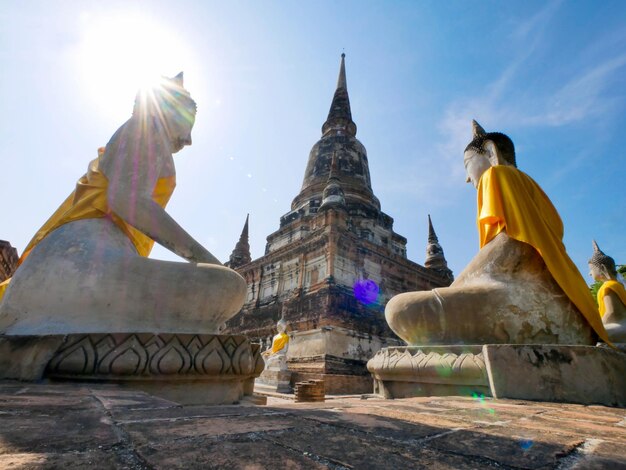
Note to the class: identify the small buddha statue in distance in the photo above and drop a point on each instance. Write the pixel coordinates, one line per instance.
(611, 295)
(276, 355)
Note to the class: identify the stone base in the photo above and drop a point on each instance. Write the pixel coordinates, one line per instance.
(336, 355)
(562, 373)
(277, 381)
(415, 371)
(337, 384)
(186, 368)
(573, 374)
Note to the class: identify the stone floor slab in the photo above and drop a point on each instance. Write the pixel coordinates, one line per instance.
(94, 460)
(102, 426)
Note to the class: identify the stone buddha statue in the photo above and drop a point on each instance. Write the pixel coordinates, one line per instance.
(611, 295)
(276, 356)
(87, 271)
(521, 287)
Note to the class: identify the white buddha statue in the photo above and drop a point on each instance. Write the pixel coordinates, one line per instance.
(276, 356)
(87, 271)
(611, 295)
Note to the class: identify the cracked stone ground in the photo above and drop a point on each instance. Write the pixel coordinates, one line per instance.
(72, 426)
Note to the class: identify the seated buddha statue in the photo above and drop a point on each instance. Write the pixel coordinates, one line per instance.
(521, 287)
(276, 356)
(87, 271)
(611, 295)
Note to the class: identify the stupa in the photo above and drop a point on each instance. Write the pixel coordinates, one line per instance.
(332, 265)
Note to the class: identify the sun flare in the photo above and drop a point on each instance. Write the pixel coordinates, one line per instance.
(119, 55)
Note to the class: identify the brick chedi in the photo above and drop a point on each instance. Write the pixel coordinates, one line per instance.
(8, 260)
(332, 265)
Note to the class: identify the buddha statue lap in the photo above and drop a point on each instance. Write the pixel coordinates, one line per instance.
(87, 271)
(521, 287)
(611, 295)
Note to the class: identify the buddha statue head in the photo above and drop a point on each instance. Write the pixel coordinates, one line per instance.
(281, 326)
(486, 149)
(169, 106)
(601, 266)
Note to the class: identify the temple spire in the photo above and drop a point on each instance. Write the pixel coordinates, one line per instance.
(241, 253)
(432, 236)
(435, 258)
(341, 80)
(333, 195)
(340, 116)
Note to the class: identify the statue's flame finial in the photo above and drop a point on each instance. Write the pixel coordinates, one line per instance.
(596, 248)
(603, 261)
(178, 79)
(477, 129)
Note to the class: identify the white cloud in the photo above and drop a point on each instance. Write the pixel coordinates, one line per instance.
(581, 97)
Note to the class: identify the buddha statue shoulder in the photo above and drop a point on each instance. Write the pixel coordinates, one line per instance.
(521, 287)
(87, 271)
(611, 295)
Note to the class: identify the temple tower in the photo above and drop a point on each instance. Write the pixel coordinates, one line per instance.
(8, 260)
(333, 264)
(241, 253)
(435, 258)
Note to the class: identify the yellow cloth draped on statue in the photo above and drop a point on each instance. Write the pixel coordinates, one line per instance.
(614, 286)
(89, 201)
(279, 342)
(510, 200)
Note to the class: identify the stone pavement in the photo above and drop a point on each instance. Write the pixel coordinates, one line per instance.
(72, 426)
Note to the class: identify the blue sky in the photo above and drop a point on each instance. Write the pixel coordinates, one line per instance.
(551, 75)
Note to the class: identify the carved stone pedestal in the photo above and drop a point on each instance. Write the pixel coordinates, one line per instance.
(413, 371)
(186, 368)
(559, 373)
(273, 380)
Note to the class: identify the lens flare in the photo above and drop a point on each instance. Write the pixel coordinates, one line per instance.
(366, 291)
(480, 397)
(526, 444)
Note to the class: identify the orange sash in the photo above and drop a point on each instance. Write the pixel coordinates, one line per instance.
(614, 286)
(89, 201)
(510, 200)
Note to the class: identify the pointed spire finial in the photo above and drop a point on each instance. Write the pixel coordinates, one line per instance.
(341, 80)
(340, 116)
(435, 259)
(477, 129)
(432, 236)
(241, 253)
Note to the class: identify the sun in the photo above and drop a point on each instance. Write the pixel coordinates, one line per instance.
(120, 54)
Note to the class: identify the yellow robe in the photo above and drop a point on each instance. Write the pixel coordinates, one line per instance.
(279, 342)
(614, 286)
(510, 200)
(89, 201)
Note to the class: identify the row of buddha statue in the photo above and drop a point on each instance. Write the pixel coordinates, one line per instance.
(87, 271)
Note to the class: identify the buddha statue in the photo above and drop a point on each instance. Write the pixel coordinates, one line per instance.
(276, 356)
(611, 295)
(521, 287)
(87, 271)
